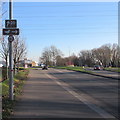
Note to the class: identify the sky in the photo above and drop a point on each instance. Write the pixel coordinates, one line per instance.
(70, 26)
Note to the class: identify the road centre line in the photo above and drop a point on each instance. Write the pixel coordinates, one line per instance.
(81, 97)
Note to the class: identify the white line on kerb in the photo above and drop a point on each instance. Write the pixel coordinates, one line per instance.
(97, 109)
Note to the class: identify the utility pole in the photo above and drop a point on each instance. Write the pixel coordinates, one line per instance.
(10, 39)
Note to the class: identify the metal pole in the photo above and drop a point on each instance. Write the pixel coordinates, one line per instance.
(11, 82)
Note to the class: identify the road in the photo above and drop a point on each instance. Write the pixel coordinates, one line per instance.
(104, 73)
(57, 93)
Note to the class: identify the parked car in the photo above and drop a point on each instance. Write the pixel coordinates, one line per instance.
(44, 67)
(97, 67)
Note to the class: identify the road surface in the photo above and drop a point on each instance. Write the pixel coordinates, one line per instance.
(57, 93)
(105, 73)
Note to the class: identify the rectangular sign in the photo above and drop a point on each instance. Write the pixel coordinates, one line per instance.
(11, 31)
(10, 23)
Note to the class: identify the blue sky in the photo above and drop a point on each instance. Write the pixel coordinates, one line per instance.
(70, 26)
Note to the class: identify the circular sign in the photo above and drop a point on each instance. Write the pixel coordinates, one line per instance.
(10, 38)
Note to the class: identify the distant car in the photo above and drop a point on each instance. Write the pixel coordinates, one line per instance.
(97, 67)
(44, 67)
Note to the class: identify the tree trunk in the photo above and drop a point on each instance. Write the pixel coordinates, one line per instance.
(6, 67)
(18, 67)
(14, 68)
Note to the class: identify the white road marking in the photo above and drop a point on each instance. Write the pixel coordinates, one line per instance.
(81, 97)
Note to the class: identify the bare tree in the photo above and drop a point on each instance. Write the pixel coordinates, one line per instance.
(75, 60)
(60, 61)
(115, 55)
(86, 58)
(50, 55)
(107, 55)
(54, 54)
(19, 50)
(46, 56)
(4, 50)
(102, 55)
(4, 53)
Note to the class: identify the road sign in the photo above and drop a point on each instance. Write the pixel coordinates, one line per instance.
(10, 38)
(10, 23)
(11, 31)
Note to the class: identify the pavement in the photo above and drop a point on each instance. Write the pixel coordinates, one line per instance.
(44, 96)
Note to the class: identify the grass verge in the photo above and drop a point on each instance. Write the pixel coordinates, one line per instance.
(7, 105)
(114, 69)
(81, 69)
(84, 70)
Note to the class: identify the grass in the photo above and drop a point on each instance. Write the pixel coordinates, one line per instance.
(114, 69)
(0, 74)
(81, 69)
(7, 105)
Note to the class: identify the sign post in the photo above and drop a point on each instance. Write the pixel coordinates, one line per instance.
(11, 81)
(10, 29)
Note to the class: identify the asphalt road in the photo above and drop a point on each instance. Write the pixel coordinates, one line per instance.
(105, 73)
(57, 93)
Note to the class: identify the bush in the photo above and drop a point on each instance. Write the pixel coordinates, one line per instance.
(21, 68)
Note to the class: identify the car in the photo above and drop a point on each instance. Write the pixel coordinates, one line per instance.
(44, 67)
(97, 67)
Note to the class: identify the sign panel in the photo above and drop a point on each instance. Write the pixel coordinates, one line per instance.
(10, 23)
(10, 38)
(11, 31)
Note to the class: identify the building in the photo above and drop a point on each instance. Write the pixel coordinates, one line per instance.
(27, 63)
(70, 64)
(34, 63)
